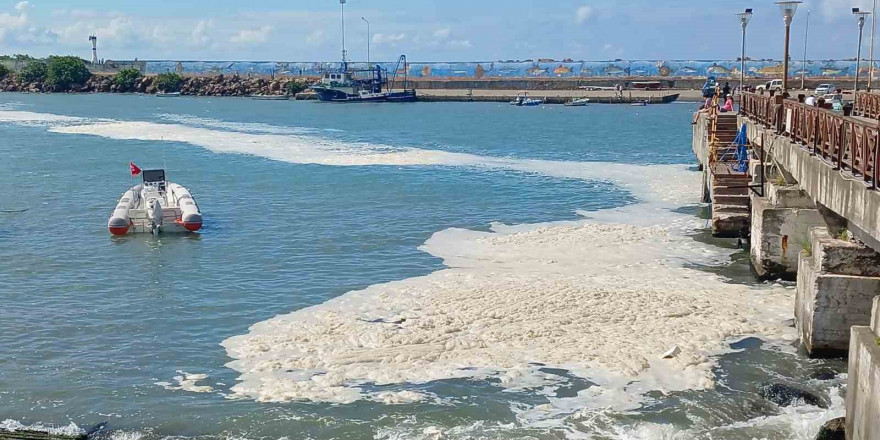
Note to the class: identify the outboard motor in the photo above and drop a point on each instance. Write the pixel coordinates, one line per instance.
(155, 215)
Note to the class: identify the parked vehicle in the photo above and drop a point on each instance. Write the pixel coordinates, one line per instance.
(825, 89)
(775, 84)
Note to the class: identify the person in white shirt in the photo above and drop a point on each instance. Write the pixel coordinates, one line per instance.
(810, 101)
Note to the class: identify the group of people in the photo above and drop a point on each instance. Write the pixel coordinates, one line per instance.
(725, 103)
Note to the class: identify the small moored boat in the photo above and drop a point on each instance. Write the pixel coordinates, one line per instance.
(581, 102)
(168, 95)
(639, 103)
(155, 206)
(270, 97)
(523, 100)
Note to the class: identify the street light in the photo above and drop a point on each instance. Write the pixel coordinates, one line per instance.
(804, 66)
(788, 10)
(744, 18)
(871, 56)
(861, 15)
(369, 66)
(344, 61)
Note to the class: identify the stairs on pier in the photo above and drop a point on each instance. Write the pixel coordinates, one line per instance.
(729, 188)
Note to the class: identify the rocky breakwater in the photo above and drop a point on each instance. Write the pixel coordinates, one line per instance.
(220, 85)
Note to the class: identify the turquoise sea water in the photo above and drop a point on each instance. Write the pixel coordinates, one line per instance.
(91, 326)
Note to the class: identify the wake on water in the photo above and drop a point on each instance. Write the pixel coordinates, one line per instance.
(603, 297)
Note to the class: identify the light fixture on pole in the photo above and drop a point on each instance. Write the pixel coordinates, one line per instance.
(744, 18)
(861, 15)
(804, 66)
(871, 56)
(788, 9)
(369, 66)
(344, 60)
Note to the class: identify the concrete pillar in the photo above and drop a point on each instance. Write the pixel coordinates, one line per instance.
(837, 281)
(863, 381)
(780, 229)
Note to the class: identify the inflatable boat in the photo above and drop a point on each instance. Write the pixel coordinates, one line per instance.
(155, 206)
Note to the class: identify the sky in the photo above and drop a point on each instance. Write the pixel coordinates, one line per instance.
(425, 30)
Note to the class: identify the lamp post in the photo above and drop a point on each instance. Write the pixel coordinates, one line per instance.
(344, 61)
(804, 66)
(871, 56)
(744, 18)
(369, 66)
(861, 15)
(788, 9)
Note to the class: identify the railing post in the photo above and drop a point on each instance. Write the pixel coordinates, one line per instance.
(842, 141)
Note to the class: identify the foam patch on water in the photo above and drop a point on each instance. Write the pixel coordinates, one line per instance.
(602, 298)
(70, 430)
(187, 382)
(249, 127)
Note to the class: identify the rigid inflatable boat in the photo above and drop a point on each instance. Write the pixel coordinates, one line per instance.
(155, 206)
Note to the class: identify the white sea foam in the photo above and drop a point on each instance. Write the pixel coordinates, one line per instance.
(187, 382)
(603, 297)
(70, 430)
(249, 127)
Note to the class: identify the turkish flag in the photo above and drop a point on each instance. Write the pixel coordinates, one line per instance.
(134, 169)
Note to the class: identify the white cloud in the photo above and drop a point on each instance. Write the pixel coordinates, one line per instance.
(460, 44)
(252, 36)
(389, 39)
(200, 35)
(442, 34)
(837, 9)
(17, 27)
(583, 14)
(316, 38)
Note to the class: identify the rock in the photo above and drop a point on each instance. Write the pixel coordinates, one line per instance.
(673, 352)
(824, 374)
(786, 395)
(834, 429)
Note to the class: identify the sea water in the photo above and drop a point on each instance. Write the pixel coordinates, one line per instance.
(431, 271)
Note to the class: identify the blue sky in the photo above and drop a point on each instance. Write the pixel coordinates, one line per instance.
(426, 30)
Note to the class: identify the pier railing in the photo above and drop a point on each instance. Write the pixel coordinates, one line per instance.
(848, 144)
(758, 107)
(866, 105)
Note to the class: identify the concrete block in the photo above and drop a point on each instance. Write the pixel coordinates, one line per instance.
(789, 196)
(827, 305)
(863, 386)
(730, 225)
(843, 257)
(778, 235)
(875, 317)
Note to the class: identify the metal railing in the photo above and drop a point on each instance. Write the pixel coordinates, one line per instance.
(848, 144)
(866, 105)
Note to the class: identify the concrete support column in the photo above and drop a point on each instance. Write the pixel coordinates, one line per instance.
(780, 229)
(837, 283)
(863, 381)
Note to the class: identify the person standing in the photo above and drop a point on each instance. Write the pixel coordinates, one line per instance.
(726, 90)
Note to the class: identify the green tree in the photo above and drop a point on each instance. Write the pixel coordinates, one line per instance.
(126, 78)
(169, 82)
(33, 71)
(295, 87)
(4, 71)
(65, 71)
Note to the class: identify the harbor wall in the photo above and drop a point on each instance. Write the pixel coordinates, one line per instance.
(863, 381)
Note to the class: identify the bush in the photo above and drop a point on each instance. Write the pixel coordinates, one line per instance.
(169, 82)
(65, 71)
(295, 87)
(126, 78)
(4, 71)
(33, 71)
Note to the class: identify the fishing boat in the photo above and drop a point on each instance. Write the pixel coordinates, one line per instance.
(155, 206)
(581, 102)
(523, 100)
(639, 103)
(362, 85)
(168, 95)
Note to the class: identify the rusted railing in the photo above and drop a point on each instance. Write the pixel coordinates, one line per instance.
(758, 107)
(866, 105)
(846, 143)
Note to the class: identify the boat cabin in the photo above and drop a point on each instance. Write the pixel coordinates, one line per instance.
(330, 78)
(154, 179)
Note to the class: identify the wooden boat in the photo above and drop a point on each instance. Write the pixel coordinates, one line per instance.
(581, 102)
(270, 97)
(168, 95)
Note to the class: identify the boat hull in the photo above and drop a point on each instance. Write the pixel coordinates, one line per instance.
(334, 95)
(178, 213)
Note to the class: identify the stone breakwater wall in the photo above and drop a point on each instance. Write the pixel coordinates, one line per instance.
(220, 85)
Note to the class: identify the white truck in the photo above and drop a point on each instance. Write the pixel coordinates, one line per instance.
(775, 84)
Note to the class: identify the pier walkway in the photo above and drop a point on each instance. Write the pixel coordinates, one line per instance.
(814, 216)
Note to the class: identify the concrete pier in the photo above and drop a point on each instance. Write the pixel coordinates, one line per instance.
(837, 283)
(863, 381)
